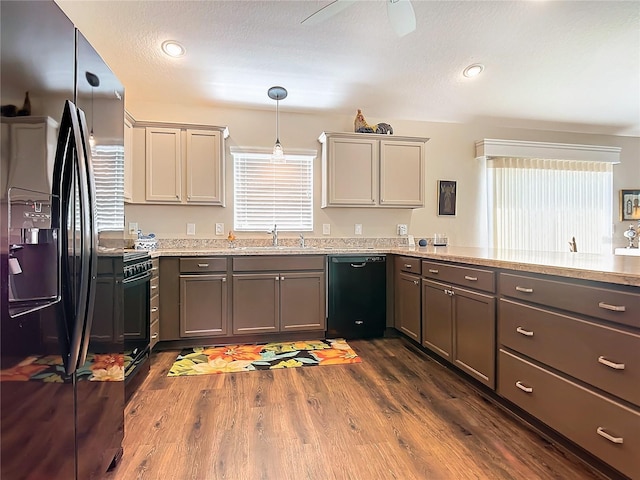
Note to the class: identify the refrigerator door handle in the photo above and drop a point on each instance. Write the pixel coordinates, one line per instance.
(62, 186)
(90, 244)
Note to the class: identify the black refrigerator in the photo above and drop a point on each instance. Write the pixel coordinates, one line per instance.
(61, 233)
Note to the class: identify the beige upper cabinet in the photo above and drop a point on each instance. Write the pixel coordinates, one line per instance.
(368, 170)
(205, 167)
(163, 159)
(180, 163)
(128, 160)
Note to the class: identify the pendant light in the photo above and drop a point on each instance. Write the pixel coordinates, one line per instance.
(277, 94)
(94, 81)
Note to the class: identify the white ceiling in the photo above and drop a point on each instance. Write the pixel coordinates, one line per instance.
(566, 65)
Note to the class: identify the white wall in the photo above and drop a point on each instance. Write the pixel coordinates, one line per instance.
(450, 156)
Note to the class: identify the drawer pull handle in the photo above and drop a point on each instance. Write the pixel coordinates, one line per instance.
(471, 279)
(523, 387)
(609, 363)
(433, 270)
(154, 309)
(153, 269)
(154, 336)
(526, 333)
(600, 431)
(613, 308)
(203, 265)
(524, 289)
(153, 287)
(406, 265)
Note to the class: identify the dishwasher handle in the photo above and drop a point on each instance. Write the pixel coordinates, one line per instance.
(358, 265)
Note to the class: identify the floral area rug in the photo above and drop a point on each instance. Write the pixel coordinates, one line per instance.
(245, 358)
(106, 367)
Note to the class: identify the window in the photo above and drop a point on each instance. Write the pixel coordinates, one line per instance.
(268, 193)
(108, 172)
(542, 204)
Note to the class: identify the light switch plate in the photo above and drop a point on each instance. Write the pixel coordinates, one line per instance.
(191, 228)
(219, 228)
(358, 229)
(326, 229)
(133, 228)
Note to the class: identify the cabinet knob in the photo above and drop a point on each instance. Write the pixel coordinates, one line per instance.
(277, 279)
(524, 289)
(416, 282)
(526, 333)
(601, 431)
(523, 387)
(613, 308)
(224, 279)
(610, 364)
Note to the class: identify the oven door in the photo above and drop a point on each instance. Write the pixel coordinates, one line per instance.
(136, 314)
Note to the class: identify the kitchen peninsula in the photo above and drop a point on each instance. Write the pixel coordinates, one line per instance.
(552, 337)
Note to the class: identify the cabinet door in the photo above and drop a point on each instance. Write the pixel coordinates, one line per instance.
(128, 161)
(256, 307)
(408, 305)
(302, 301)
(474, 327)
(437, 309)
(203, 305)
(401, 173)
(205, 167)
(163, 163)
(352, 172)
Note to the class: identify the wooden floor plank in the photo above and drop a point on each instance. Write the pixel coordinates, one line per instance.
(397, 415)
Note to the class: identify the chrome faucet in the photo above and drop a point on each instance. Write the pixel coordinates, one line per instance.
(274, 233)
(301, 240)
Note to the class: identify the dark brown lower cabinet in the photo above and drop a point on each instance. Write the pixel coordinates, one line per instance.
(407, 302)
(459, 325)
(266, 300)
(203, 305)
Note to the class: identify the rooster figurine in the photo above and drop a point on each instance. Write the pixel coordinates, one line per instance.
(360, 125)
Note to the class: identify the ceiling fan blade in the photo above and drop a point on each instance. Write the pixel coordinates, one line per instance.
(401, 16)
(327, 11)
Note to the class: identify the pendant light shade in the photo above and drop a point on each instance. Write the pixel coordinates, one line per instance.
(277, 94)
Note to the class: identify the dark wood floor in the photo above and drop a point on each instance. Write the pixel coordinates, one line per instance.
(397, 415)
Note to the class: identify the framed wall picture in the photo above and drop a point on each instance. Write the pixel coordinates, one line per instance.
(447, 192)
(629, 205)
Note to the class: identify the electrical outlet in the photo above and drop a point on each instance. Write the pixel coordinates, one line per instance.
(191, 228)
(326, 229)
(219, 228)
(358, 229)
(402, 229)
(133, 228)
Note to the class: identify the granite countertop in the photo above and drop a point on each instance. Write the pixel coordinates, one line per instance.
(623, 270)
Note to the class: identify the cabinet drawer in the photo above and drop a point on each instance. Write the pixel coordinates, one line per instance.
(408, 264)
(466, 276)
(155, 333)
(203, 264)
(600, 355)
(607, 429)
(279, 263)
(155, 307)
(155, 267)
(154, 286)
(605, 303)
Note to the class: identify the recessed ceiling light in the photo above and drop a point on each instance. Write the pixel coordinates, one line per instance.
(173, 48)
(473, 70)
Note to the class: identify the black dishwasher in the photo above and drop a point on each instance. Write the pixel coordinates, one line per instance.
(357, 296)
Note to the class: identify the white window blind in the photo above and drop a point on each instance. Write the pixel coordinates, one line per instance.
(268, 193)
(108, 171)
(541, 205)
